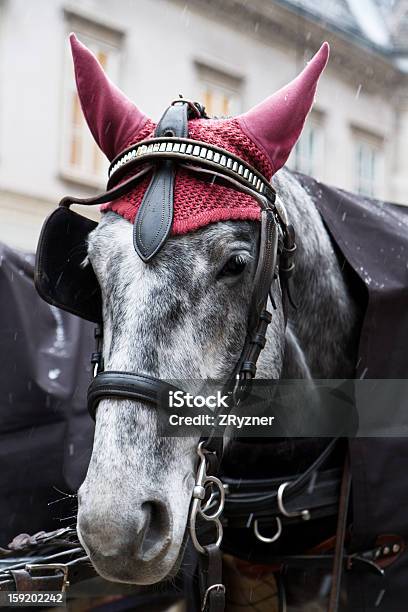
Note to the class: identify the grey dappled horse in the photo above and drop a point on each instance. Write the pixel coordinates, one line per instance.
(184, 315)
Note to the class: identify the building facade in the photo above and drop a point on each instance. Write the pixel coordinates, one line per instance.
(229, 54)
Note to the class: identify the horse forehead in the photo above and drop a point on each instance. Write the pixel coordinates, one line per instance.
(112, 240)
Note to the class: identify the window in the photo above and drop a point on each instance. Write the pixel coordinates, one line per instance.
(82, 161)
(368, 164)
(308, 154)
(219, 92)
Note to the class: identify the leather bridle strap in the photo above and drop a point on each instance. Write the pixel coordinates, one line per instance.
(110, 195)
(154, 218)
(211, 576)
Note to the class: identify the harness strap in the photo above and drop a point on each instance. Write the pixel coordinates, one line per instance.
(244, 499)
(341, 530)
(213, 590)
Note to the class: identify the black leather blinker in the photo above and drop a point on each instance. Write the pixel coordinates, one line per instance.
(155, 215)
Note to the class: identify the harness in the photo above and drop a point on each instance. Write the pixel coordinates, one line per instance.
(63, 281)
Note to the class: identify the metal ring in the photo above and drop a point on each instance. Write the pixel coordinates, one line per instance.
(305, 514)
(189, 103)
(194, 538)
(217, 513)
(274, 537)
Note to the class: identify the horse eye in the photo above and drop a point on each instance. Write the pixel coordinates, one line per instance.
(234, 266)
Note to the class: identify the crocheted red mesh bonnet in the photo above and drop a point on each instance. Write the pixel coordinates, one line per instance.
(263, 137)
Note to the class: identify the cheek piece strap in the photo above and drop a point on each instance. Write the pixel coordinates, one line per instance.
(169, 148)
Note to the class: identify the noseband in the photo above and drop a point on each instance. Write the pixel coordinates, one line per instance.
(171, 148)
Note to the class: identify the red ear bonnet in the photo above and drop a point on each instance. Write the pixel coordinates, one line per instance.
(263, 137)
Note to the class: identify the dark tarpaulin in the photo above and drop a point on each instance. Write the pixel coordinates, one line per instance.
(373, 238)
(45, 430)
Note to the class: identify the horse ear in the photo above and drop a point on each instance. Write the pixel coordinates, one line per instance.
(276, 123)
(112, 118)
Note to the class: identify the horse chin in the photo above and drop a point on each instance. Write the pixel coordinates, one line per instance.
(143, 574)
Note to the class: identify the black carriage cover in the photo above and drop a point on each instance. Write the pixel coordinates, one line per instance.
(45, 430)
(373, 238)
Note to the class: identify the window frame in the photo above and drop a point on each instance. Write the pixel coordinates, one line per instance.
(312, 165)
(363, 141)
(110, 41)
(222, 83)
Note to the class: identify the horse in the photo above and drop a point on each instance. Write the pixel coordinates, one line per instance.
(158, 321)
(181, 312)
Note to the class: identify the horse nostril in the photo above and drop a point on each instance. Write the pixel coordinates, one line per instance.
(157, 526)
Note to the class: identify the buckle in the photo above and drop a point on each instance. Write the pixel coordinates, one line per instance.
(219, 587)
(56, 567)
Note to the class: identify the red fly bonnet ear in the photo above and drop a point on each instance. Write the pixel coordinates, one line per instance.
(263, 138)
(113, 119)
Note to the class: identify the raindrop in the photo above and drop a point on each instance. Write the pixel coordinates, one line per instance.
(53, 374)
(358, 92)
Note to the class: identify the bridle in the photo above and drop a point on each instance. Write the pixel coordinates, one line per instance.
(169, 149)
(275, 263)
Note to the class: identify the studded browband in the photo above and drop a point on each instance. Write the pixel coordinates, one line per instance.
(188, 150)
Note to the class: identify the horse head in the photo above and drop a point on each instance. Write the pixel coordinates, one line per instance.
(180, 314)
